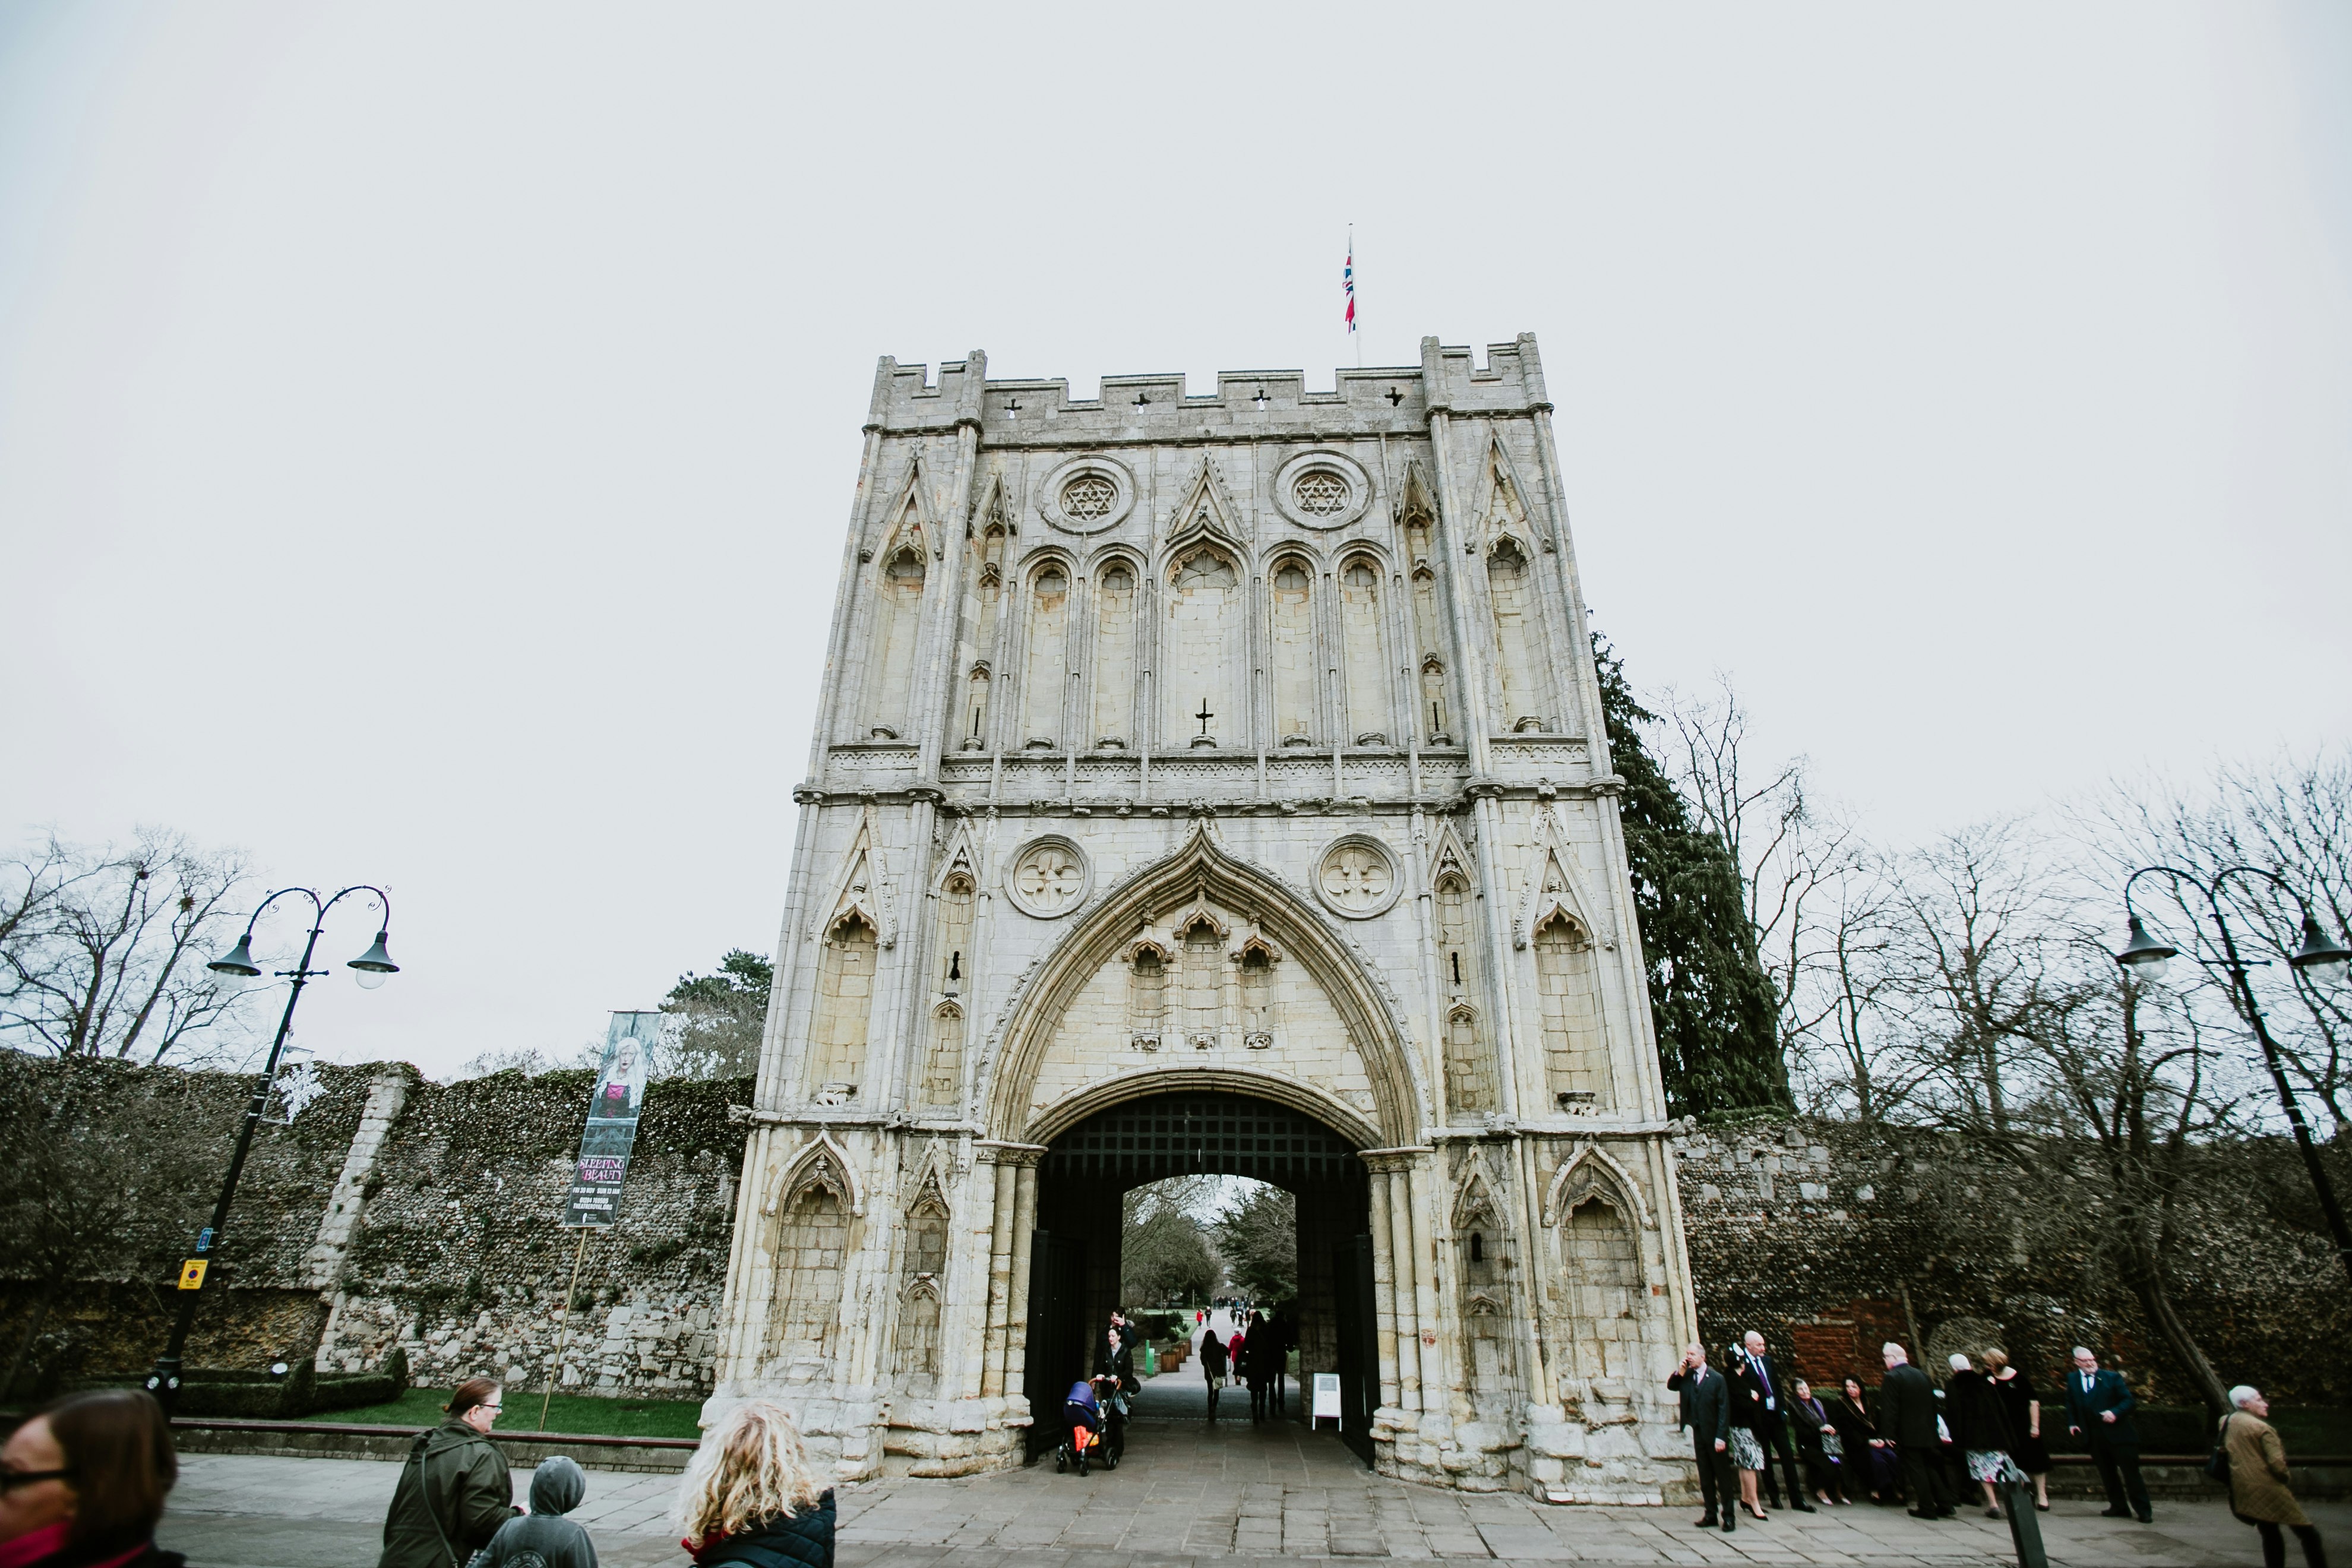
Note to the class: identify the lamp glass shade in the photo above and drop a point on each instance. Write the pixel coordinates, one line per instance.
(238, 960)
(2325, 961)
(374, 963)
(2145, 955)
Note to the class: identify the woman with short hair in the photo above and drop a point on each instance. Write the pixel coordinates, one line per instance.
(1979, 1427)
(455, 1491)
(83, 1482)
(749, 1495)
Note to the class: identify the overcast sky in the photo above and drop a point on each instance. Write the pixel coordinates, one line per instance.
(426, 431)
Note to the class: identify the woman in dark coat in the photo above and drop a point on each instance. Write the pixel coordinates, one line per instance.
(1213, 1367)
(1869, 1461)
(1809, 1419)
(750, 1498)
(2023, 1406)
(1747, 1421)
(1979, 1427)
(455, 1491)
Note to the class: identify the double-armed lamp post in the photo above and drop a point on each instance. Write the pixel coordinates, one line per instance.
(372, 969)
(2321, 959)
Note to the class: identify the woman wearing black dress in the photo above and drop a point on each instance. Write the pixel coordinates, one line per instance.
(1869, 1462)
(2024, 1409)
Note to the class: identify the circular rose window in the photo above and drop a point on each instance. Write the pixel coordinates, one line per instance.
(1321, 493)
(1089, 497)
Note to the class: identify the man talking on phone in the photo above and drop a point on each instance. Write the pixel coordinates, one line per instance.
(1707, 1410)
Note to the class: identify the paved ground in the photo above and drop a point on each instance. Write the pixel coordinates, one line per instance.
(1238, 1492)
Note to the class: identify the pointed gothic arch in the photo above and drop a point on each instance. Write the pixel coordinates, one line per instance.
(1181, 885)
(1591, 1172)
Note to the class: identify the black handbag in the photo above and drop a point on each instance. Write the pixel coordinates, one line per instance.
(2216, 1463)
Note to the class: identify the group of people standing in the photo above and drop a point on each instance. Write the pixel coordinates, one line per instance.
(1906, 1442)
(1911, 1441)
(1257, 1353)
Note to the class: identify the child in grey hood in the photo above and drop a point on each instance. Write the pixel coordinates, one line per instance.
(544, 1537)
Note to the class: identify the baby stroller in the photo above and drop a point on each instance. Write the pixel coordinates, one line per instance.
(1092, 1433)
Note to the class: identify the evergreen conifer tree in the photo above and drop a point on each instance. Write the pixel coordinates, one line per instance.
(1718, 1040)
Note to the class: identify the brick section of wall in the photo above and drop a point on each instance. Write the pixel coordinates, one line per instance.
(1831, 1240)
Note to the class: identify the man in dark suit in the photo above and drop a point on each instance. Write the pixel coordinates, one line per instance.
(1766, 1399)
(1906, 1415)
(2098, 1406)
(1707, 1410)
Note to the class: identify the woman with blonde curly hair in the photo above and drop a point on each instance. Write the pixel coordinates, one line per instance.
(749, 1495)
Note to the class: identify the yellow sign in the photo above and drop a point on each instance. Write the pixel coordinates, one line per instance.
(192, 1274)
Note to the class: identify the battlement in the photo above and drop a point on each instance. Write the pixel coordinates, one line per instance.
(1375, 400)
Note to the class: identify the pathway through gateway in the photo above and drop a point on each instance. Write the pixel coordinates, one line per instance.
(1074, 1275)
(1182, 1395)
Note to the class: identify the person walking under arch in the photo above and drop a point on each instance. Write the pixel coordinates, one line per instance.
(1213, 1366)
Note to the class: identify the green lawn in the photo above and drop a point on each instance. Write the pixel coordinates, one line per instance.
(565, 1413)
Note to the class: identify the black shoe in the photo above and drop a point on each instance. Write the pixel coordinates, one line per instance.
(1948, 1513)
(1916, 1514)
(2148, 1519)
(1707, 1523)
(1729, 1524)
(2115, 1513)
(1804, 1508)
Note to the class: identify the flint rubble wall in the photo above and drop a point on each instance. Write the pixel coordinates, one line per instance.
(394, 1211)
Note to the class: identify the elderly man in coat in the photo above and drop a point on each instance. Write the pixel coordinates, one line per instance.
(1707, 1410)
(2258, 1477)
(2099, 1405)
(1907, 1413)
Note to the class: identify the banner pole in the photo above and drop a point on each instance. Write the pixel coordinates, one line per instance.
(555, 1367)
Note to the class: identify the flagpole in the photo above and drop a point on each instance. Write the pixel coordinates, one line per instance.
(1353, 335)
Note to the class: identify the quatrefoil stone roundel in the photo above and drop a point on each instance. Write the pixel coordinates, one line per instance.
(1049, 879)
(1357, 877)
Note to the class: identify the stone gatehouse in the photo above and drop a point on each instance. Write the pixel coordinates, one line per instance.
(1214, 784)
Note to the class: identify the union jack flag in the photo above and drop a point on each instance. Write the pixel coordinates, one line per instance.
(1348, 281)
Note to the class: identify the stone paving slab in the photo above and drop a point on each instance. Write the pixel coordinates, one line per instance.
(1184, 1498)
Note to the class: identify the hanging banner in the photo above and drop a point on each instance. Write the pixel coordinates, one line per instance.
(612, 1111)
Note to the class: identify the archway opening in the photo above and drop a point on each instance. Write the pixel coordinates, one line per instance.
(1074, 1253)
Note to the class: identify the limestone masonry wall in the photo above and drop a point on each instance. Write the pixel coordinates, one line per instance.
(394, 1211)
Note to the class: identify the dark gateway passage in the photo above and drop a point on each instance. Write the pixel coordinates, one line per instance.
(1074, 1256)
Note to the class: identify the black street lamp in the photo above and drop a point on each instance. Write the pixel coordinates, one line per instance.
(2325, 961)
(370, 969)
